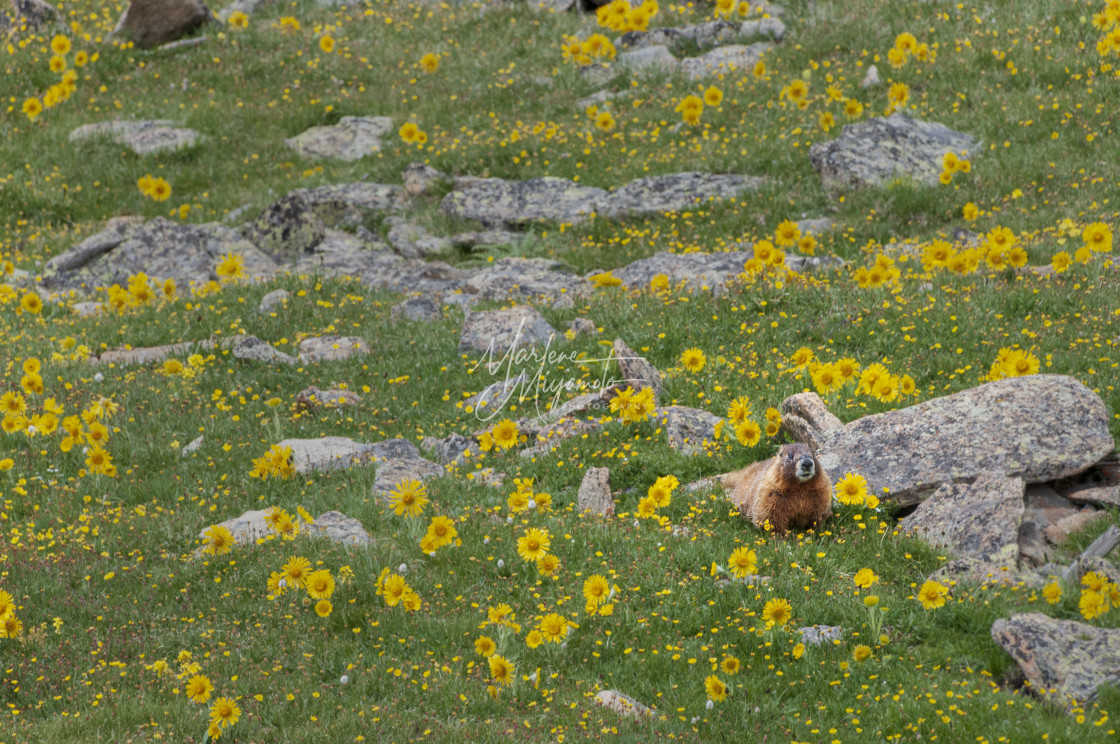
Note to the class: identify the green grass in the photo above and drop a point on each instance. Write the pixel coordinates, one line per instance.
(503, 104)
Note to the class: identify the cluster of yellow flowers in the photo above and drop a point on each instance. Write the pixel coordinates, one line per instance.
(156, 188)
(746, 431)
(504, 435)
(659, 496)
(620, 16)
(692, 106)
(140, 292)
(599, 595)
(224, 711)
(766, 257)
(429, 62)
(874, 380)
(10, 625)
(881, 271)
(238, 20)
(950, 164)
(412, 134)
(393, 588)
(276, 463)
(13, 407)
(633, 406)
(1108, 23)
(907, 46)
(1013, 363)
(583, 53)
(284, 524)
(195, 364)
(67, 84)
(524, 497)
(731, 7)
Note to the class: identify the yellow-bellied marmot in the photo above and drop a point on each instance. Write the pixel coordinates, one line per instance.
(788, 490)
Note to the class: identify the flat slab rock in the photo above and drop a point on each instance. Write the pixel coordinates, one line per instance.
(1061, 657)
(160, 248)
(352, 138)
(1039, 428)
(498, 331)
(333, 525)
(874, 152)
(726, 59)
(815, 635)
(495, 201)
(142, 137)
(974, 520)
(340, 453)
(622, 704)
(332, 348)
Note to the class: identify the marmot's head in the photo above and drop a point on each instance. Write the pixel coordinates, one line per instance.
(797, 462)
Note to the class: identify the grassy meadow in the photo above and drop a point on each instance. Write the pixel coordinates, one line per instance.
(113, 616)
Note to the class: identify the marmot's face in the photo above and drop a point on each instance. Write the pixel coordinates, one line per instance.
(797, 462)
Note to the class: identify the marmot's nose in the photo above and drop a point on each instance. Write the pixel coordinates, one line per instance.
(805, 463)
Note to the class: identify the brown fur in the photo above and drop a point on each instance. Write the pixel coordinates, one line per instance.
(770, 491)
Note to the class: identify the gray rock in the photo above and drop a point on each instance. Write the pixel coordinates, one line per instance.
(1060, 531)
(816, 227)
(86, 309)
(160, 248)
(253, 349)
(27, 15)
(598, 98)
(770, 28)
(636, 370)
(348, 205)
(494, 201)
(193, 446)
(352, 138)
(332, 348)
(697, 270)
(485, 238)
(815, 635)
(877, 151)
(553, 6)
(413, 241)
(665, 36)
(1061, 659)
(342, 254)
(149, 354)
(448, 449)
(525, 278)
(582, 325)
(595, 492)
(288, 228)
(545, 439)
(654, 58)
(494, 397)
(248, 7)
(142, 137)
(688, 429)
(724, 60)
(275, 299)
(674, 192)
(337, 527)
(395, 470)
(149, 23)
(340, 453)
(814, 264)
(1043, 508)
(622, 704)
(1100, 486)
(420, 179)
(1040, 428)
(417, 309)
(313, 397)
(979, 520)
(871, 78)
(498, 331)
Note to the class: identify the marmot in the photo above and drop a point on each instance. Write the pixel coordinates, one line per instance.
(790, 490)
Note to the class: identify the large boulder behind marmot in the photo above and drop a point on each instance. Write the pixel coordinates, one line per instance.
(149, 23)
